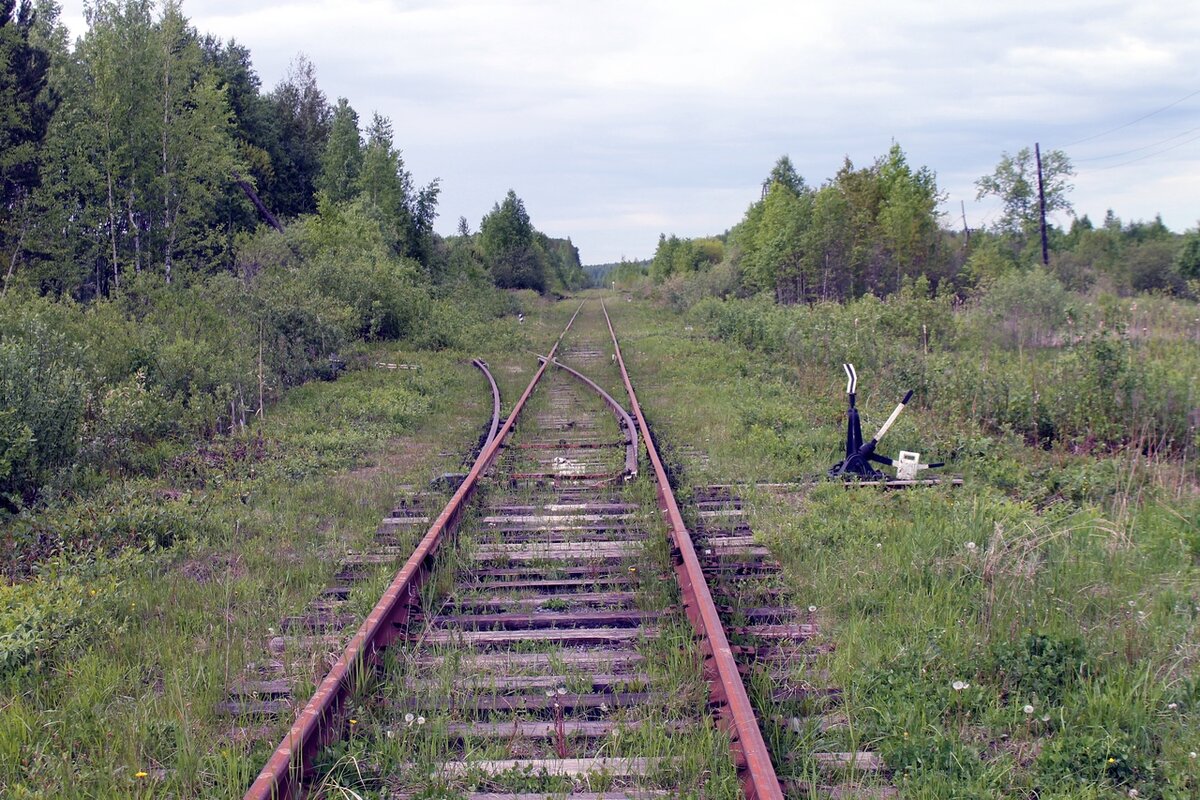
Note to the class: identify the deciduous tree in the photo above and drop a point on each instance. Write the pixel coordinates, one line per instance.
(1015, 183)
(506, 241)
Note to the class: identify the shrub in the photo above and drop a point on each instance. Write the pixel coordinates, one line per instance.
(42, 397)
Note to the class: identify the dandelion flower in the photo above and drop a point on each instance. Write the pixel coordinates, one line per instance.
(812, 609)
(972, 546)
(1045, 717)
(353, 722)
(408, 719)
(958, 686)
(879, 545)
(1028, 709)
(139, 773)
(1192, 755)
(1111, 760)
(1133, 792)
(420, 721)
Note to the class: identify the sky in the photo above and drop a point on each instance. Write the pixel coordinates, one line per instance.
(616, 121)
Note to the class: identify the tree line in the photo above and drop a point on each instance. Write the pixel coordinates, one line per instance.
(147, 146)
(873, 230)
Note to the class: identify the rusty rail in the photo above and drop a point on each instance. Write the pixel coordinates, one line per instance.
(728, 693)
(283, 774)
(482, 366)
(623, 418)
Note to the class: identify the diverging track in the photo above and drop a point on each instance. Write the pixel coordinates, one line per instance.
(548, 637)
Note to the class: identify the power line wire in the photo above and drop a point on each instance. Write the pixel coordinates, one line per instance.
(1149, 155)
(1134, 122)
(1136, 149)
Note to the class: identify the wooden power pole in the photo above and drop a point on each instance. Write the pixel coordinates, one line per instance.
(1037, 150)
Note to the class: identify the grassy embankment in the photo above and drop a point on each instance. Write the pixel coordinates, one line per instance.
(113, 661)
(1058, 591)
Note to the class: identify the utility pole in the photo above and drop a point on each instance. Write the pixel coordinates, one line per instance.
(1037, 150)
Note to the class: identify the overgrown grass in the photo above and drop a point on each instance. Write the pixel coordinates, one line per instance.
(114, 652)
(1079, 597)
(1058, 590)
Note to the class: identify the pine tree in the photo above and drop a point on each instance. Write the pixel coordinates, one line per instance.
(506, 241)
(343, 158)
(26, 107)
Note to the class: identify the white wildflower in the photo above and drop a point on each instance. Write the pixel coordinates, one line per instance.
(812, 609)
(1028, 709)
(972, 546)
(958, 686)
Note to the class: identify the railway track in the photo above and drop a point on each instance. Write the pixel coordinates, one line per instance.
(554, 633)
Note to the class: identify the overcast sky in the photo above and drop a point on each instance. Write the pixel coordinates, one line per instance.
(615, 121)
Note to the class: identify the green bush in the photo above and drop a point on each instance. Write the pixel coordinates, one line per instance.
(42, 400)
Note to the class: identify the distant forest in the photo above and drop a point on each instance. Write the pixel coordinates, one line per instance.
(598, 274)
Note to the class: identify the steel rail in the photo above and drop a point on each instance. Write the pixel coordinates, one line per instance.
(283, 775)
(623, 418)
(758, 778)
(495, 426)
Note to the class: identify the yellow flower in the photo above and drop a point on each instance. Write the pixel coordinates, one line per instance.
(1112, 760)
(92, 592)
(140, 774)
(353, 722)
